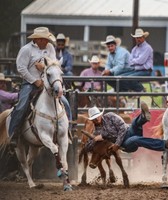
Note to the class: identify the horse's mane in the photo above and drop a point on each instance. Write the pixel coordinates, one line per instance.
(50, 62)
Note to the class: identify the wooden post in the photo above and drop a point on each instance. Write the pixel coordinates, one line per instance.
(135, 18)
(72, 156)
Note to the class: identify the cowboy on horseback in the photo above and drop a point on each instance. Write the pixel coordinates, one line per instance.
(30, 66)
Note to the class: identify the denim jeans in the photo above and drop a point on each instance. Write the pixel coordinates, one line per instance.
(67, 107)
(21, 108)
(134, 138)
(20, 111)
(133, 84)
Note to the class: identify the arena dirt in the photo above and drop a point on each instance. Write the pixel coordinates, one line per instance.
(53, 191)
(145, 175)
(145, 184)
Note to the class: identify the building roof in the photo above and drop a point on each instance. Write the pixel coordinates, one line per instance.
(101, 8)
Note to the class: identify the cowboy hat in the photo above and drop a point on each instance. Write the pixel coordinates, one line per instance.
(139, 33)
(94, 112)
(60, 36)
(94, 59)
(111, 38)
(2, 78)
(42, 32)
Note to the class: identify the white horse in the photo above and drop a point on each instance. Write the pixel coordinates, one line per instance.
(50, 124)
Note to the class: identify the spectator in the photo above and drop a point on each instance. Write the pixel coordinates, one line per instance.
(92, 71)
(62, 52)
(118, 57)
(9, 164)
(7, 99)
(117, 60)
(141, 60)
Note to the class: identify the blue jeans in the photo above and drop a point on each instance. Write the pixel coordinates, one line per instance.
(126, 85)
(20, 110)
(133, 84)
(67, 107)
(134, 138)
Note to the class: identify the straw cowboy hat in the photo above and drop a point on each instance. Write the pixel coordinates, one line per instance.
(2, 78)
(42, 32)
(111, 38)
(61, 36)
(94, 112)
(139, 33)
(94, 59)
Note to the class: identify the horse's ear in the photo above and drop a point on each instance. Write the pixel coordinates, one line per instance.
(48, 61)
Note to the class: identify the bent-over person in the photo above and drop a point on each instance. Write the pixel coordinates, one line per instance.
(112, 127)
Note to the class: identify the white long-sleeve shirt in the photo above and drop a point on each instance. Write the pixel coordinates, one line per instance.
(28, 55)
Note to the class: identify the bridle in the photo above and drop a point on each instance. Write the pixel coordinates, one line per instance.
(50, 91)
(50, 83)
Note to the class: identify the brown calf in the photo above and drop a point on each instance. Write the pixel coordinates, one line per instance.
(100, 152)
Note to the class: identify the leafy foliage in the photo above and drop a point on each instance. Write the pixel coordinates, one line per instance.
(10, 17)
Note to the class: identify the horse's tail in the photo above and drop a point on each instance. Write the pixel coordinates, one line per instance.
(3, 133)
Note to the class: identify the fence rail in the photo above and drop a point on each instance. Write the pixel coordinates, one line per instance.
(117, 93)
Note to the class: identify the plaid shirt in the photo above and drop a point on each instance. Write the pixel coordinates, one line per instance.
(113, 128)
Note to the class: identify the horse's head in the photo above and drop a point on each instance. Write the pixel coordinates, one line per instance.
(53, 77)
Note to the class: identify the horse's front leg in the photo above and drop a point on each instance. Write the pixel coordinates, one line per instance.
(21, 155)
(61, 158)
(164, 168)
(62, 165)
(32, 154)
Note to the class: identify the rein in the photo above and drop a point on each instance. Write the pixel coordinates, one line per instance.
(55, 119)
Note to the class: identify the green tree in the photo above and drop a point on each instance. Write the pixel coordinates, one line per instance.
(10, 12)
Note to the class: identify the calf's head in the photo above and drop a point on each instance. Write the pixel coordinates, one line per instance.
(100, 152)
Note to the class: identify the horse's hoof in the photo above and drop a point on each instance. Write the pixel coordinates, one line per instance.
(164, 186)
(83, 184)
(39, 186)
(112, 179)
(67, 188)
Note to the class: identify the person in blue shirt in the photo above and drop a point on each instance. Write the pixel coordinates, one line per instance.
(118, 64)
(62, 52)
(117, 60)
(118, 57)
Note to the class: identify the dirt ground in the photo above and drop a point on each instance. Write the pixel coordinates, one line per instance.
(145, 184)
(52, 191)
